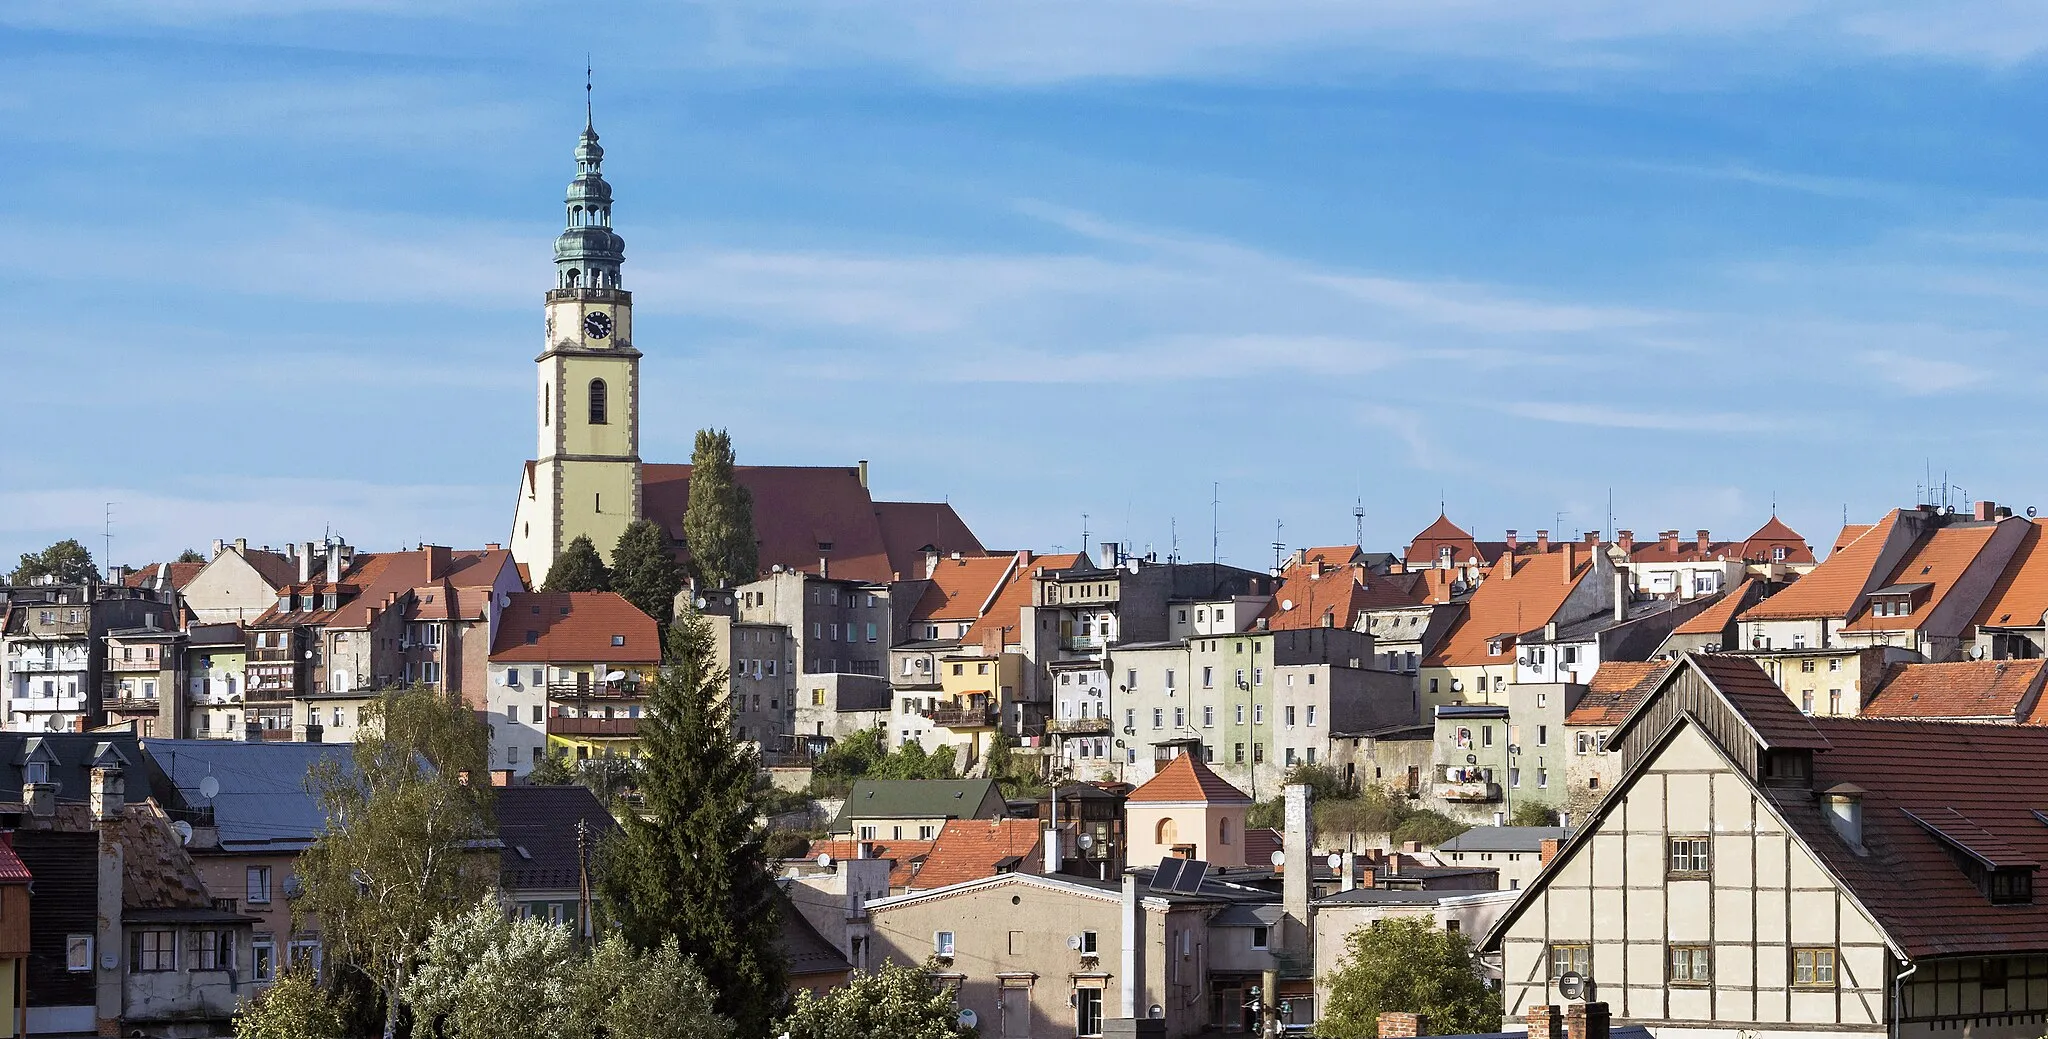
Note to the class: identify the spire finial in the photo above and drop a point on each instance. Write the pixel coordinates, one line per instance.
(587, 123)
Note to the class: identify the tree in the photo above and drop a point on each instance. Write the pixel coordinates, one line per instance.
(658, 994)
(1534, 813)
(293, 1007)
(190, 555)
(578, 569)
(484, 975)
(718, 526)
(407, 811)
(646, 572)
(692, 865)
(897, 1001)
(551, 770)
(1407, 965)
(66, 562)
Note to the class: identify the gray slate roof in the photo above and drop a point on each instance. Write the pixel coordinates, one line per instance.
(537, 825)
(263, 803)
(1505, 838)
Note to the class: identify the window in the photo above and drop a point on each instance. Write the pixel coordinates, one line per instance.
(511, 712)
(1690, 856)
(867, 833)
(817, 698)
(1806, 667)
(1570, 959)
(152, 951)
(1806, 701)
(597, 403)
(1130, 718)
(263, 958)
(1834, 701)
(1258, 753)
(216, 950)
(926, 832)
(1835, 663)
(1240, 714)
(1169, 681)
(1158, 717)
(1813, 967)
(1180, 717)
(942, 943)
(1238, 756)
(1259, 937)
(1088, 1012)
(78, 952)
(538, 717)
(1543, 735)
(1311, 709)
(1087, 943)
(259, 885)
(1691, 965)
(1208, 678)
(1208, 717)
(1258, 714)
(1287, 716)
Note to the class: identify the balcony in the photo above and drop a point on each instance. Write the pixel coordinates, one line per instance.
(135, 705)
(1472, 791)
(1083, 643)
(615, 727)
(29, 665)
(272, 655)
(572, 691)
(1078, 726)
(963, 717)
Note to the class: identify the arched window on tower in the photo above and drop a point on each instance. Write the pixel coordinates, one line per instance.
(571, 278)
(597, 402)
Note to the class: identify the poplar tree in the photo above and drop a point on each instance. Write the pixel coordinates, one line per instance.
(691, 864)
(646, 572)
(718, 526)
(578, 569)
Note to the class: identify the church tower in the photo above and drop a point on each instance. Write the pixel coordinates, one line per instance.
(586, 477)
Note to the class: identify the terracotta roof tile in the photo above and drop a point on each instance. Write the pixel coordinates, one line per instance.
(275, 569)
(970, 849)
(1008, 609)
(904, 856)
(1715, 619)
(1617, 688)
(2020, 596)
(181, 574)
(1833, 587)
(1774, 534)
(1184, 779)
(1308, 592)
(961, 587)
(575, 626)
(1770, 712)
(1520, 594)
(1961, 690)
(1939, 559)
(1850, 532)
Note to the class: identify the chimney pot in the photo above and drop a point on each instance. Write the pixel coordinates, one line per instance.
(1511, 541)
(1542, 541)
(1548, 850)
(1571, 561)
(1701, 541)
(241, 544)
(1546, 1022)
(1586, 1021)
(1626, 538)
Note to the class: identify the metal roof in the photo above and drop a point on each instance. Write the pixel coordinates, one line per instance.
(263, 802)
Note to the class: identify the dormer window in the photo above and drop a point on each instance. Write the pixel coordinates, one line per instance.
(1778, 554)
(2010, 886)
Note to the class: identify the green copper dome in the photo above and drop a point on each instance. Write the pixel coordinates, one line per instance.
(587, 253)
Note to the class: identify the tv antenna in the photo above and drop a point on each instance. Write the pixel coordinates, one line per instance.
(1279, 545)
(107, 536)
(1215, 519)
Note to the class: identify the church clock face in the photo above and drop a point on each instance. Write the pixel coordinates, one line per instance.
(597, 325)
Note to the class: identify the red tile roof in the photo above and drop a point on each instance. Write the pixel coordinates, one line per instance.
(575, 627)
(1310, 591)
(1439, 534)
(1850, 532)
(181, 574)
(1260, 842)
(1768, 710)
(1775, 534)
(960, 588)
(1520, 594)
(799, 509)
(1715, 619)
(904, 856)
(1618, 687)
(970, 849)
(12, 869)
(1832, 588)
(1939, 559)
(2020, 596)
(1185, 779)
(1332, 555)
(1007, 610)
(1962, 690)
(276, 570)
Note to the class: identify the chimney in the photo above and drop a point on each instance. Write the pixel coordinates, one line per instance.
(824, 567)
(241, 545)
(1620, 596)
(1511, 541)
(1369, 876)
(1626, 539)
(117, 575)
(1571, 561)
(305, 553)
(1394, 1025)
(1548, 850)
(1670, 540)
(1106, 554)
(1500, 819)
(501, 777)
(40, 799)
(219, 546)
(1296, 841)
(108, 793)
(863, 474)
(1700, 541)
(1586, 1021)
(1546, 1022)
(1350, 867)
(437, 561)
(1985, 510)
(493, 546)
(931, 562)
(1128, 927)
(1542, 541)
(334, 562)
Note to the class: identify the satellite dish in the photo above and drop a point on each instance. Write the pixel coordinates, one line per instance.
(1976, 652)
(1287, 604)
(824, 859)
(1336, 861)
(700, 602)
(504, 600)
(209, 787)
(184, 831)
(1279, 857)
(1074, 942)
(1571, 984)
(1086, 841)
(968, 1018)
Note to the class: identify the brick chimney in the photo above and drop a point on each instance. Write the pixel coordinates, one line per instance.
(1626, 539)
(1985, 510)
(1700, 541)
(1592, 538)
(1396, 1025)
(1542, 541)
(1571, 561)
(1586, 1021)
(108, 793)
(1547, 850)
(1670, 539)
(1512, 542)
(1546, 1022)
(437, 561)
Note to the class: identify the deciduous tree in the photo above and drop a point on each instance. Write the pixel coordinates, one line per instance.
(190, 555)
(408, 831)
(897, 1001)
(691, 865)
(1413, 966)
(66, 562)
(295, 1006)
(578, 569)
(718, 526)
(645, 571)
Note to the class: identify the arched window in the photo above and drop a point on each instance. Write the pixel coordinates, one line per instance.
(1167, 833)
(597, 403)
(1223, 831)
(570, 278)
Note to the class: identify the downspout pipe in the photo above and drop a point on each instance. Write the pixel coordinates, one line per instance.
(1899, 997)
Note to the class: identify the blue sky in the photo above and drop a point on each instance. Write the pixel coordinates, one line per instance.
(275, 267)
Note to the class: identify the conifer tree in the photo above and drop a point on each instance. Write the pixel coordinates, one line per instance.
(718, 526)
(646, 572)
(692, 863)
(578, 569)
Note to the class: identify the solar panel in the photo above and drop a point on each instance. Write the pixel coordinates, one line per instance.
(1192, 875)
(1166, 874)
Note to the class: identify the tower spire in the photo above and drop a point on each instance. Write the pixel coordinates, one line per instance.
(588, 125)
(587, 252)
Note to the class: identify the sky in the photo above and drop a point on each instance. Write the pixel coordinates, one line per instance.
(1195, 273)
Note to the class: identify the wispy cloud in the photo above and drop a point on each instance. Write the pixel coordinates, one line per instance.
(1675, 420)
(1920, 375)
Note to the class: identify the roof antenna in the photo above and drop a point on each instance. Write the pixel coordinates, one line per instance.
(1358, 521)
(1084, 533)
(1278, 544)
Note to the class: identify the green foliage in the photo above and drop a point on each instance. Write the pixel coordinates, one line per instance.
(1409, 965)
(610, 776)
(1428, 829)
(718, 525)
(293, 1007)
(693, 867)
(896, 1001)
(864, 755)
(486, 976)
(190, 555)
(551, 770)
(1017, 777)
(1534, 813)
(402, 821)
(910, 761)
(645, 571)
(776, 801)
(790, 844)
(578, 569)
(850, 757)
(67, 562)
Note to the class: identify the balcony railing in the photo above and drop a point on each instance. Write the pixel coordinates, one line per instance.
(135, 704)
(572, 691)
(1082, 643)
(963, 717)
(593, 726)
(25, 665)
(1475, 791)
(1078, 726)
